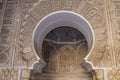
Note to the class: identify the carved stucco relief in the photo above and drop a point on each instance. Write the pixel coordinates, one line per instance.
(113, 74)
(29, 17)
(9, 73)
(91, 10)
(12, 12)
(24, 52)
(115, 19)
(7, 33)
(63, 58)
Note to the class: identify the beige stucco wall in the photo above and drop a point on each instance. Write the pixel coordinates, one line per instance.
(17, 21)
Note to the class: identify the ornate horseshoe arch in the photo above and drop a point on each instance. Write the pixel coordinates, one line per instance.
(87, 8)
(55, 20)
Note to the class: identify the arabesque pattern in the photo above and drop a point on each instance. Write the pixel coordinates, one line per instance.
(91, 10)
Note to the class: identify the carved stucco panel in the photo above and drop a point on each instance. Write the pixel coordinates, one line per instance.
(113, 74)
(9, 73)
(115, 28)
(91, 10)
(25, 55)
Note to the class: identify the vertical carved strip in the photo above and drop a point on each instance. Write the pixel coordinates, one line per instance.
(24, 38)
(114, 17)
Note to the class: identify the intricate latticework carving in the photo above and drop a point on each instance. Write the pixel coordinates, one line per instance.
(67, 59)
(18, 18)
(91, 10)
(114, 74)
(24, 45)
(62, 53)
(101, 53)
(13, 12)
(8, 74)
(63, 58)
(7, 32)
(115, 13)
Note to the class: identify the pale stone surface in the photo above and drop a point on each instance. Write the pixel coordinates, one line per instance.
(113, 74)
(28, 74)
(23, 54)
(115, 19)
(103, 15)
(8, 73)
(99, 74)
(94, 14)
(8, 31)
(27, 49)
(25, 73)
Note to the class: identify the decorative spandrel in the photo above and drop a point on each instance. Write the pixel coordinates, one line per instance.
(65, 54)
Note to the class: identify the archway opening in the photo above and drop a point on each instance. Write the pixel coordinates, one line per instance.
(62, 18)
(62, 40)
(63, 50)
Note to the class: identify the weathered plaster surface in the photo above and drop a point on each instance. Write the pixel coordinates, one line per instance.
(18, 18)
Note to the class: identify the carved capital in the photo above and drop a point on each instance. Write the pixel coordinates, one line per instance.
(87, 65)
(38, 66)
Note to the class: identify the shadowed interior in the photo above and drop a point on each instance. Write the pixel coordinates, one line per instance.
(63, 50)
